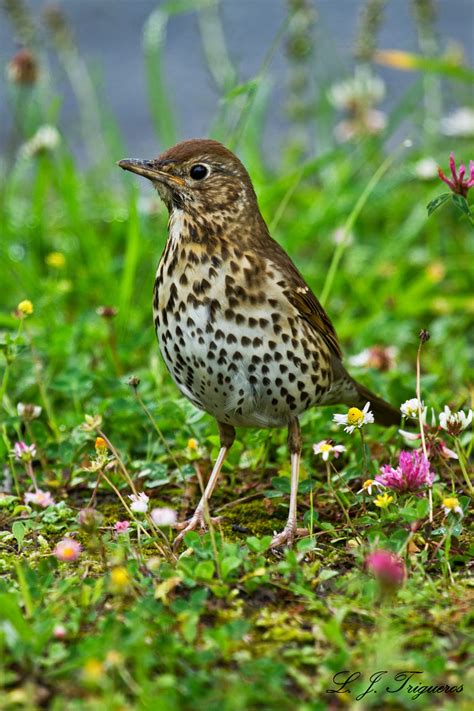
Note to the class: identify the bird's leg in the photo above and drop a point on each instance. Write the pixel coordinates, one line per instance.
(199, 517)
(290, 532)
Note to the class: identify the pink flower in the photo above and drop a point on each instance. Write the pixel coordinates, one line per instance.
(121, 526)
(59, 631)
(40, 498)
(458, 184)
(24, 452)
(67, 550)
(388, 568)
(413, 472)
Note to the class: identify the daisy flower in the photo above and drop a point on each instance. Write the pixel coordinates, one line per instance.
(370, 484)
(451, 505)
(67, 550)
(354, 418)
(326, 447)
(40, 498)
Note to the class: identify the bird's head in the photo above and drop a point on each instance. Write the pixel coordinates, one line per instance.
(199, 176)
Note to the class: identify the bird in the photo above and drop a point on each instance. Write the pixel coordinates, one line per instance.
(241, 333)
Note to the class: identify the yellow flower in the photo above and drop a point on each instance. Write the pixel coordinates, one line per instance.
(93, 670)
(119, 579)
(25, 307)
(193, 444)
(100, 445)
(57, 260)
(383, 500)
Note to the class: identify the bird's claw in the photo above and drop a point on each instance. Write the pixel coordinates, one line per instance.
(197, 521)
(287, 536)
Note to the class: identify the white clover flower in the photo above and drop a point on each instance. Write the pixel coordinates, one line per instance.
(24, 452)
(454, 422)
(164, 516)
(46, 138)
(363, 88)
(40, 498)
(451, 505)
(326, 447)
(459, 123)
(139, 502)
(411, 408)
(27, 411)
(426, 169)
(355, 418)
(370, 484)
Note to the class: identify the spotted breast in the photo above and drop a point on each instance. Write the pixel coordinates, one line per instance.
(232, 341)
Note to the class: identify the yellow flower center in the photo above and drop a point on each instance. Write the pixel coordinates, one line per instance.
(355, 416)
(450, 503)
(68, 552)
(367, 483)
(325, 447)
(192, 443)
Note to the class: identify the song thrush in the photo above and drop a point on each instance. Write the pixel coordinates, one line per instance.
(241, 333)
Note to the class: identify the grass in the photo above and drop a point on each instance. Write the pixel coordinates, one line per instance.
(227, 624)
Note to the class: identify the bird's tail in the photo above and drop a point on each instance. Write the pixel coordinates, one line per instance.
(383, 412)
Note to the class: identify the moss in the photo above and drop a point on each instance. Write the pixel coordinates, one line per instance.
(251, 519)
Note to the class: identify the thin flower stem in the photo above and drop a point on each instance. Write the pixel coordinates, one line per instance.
(159, 433)
(339, 501)
(122, 466)
(364, 452)
(422, 425)
(31, 474)
(462, 464)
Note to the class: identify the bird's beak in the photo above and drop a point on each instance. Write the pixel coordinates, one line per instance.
(148, 169)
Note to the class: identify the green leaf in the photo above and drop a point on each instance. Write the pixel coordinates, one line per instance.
(422, 508)
(244, 88)
(204, 569)
(437, 202)
(228, 564)
(19, 530)
(10, 612)
(462, 204)
(258, 545)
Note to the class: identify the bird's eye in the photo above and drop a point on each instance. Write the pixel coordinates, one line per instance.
(198, 172)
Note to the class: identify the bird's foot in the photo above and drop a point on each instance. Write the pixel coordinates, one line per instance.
(288, 536)
(197, 521)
